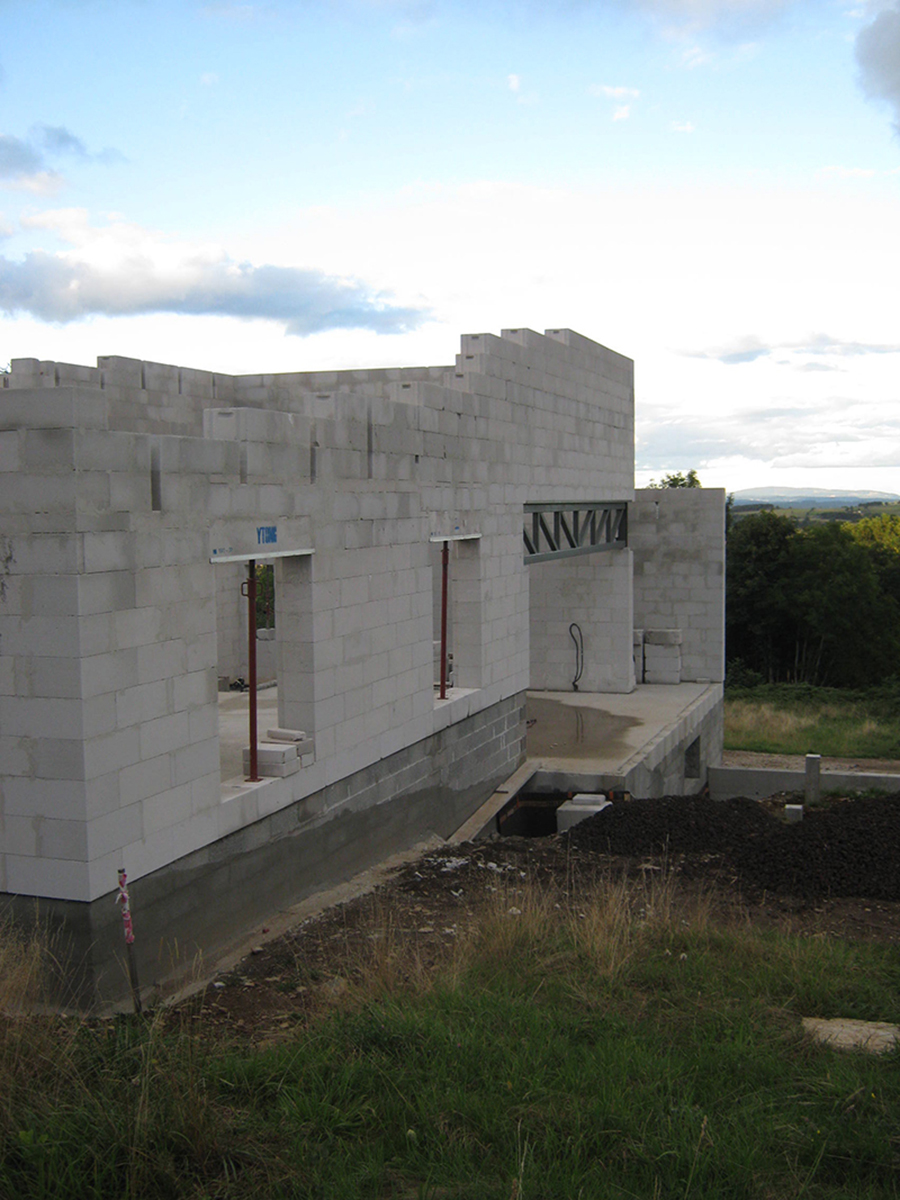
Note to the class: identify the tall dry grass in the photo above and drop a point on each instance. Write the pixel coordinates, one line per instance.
(558, 932)
(832, 728)
(386, 959)
(33, 1049)
(23, 959)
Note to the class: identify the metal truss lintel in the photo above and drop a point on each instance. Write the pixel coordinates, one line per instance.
(567, 530)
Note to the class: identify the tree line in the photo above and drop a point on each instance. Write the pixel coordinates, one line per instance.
(817, 604)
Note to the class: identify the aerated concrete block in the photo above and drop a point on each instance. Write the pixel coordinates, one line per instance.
(578, 809)
(274, 759)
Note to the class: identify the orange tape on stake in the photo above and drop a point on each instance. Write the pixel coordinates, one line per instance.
(124, 901)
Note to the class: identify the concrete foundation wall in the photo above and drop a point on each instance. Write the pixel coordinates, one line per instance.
(199, 904)
(678, 539)
(680, 761)
(677, 762)
(755, 783)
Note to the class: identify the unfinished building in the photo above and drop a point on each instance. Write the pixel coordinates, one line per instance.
(434, 535)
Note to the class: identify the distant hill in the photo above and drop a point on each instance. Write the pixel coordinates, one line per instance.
(811, 497)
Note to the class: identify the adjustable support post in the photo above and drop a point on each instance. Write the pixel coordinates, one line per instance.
(249, 590)
(445, 572)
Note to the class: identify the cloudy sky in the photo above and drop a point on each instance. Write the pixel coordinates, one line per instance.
(711, 187)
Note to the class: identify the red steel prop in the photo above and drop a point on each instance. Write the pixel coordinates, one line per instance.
(248, 589)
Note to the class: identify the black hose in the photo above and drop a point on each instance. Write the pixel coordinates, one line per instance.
(579, 653)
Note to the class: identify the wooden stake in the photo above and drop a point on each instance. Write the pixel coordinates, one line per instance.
(129, 940)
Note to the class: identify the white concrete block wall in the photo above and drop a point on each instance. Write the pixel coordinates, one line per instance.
(43, 718)
(678, 539)
(373, 654)
(123, 477)
(231, 622)
(594, 592)
(157, 769)
(122, 635)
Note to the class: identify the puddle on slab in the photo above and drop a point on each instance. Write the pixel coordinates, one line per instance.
(557, 730)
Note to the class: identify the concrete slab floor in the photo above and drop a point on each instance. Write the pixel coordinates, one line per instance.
(598, 733)
(595, 733)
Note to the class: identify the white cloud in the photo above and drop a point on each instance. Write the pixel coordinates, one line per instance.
(514, 83)
(121, 269)
(623, 96)
(836, 435)
(750, 348)
(614, 93)
(41, 183)
(848, 172)
(732, 18)
(695, 56)
(683, 126)
(24, 162)
(209, 78)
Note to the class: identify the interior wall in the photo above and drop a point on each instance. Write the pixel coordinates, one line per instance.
(468, 630)
(295, 644)
(594, 591)
(231, 622)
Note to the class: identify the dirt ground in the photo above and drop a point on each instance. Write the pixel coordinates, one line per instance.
(837, 874)
(793, 762)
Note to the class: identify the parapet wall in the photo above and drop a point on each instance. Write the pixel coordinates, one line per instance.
(677, 536)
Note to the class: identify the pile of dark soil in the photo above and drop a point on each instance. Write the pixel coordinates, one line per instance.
(849, 848)
(671, 824)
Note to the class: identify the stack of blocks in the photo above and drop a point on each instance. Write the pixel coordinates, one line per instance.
(662, 656)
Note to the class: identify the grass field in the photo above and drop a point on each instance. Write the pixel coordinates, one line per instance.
(809, 514)
(630, 1048)
(782, 719)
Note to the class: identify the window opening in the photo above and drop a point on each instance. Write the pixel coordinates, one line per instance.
(155, 478)
(692, 760)
(456, 604)
(265, 685)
